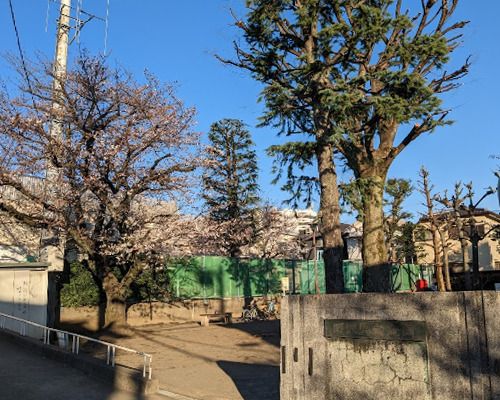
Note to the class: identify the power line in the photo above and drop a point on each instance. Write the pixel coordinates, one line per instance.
(79, 5)
(106, 28)
(47, 15)
(21, 54)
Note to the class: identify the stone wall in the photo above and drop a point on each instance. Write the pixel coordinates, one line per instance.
(184, 311)
(438, 346)
(157, 312)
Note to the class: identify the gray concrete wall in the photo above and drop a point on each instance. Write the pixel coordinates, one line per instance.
(456, 357)
(183, 311)
(157, 312)
(24, 294)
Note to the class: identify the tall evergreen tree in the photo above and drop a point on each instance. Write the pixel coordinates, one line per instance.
(352, 76)
(230, 184)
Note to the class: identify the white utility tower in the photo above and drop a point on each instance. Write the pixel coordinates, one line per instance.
(60, 67)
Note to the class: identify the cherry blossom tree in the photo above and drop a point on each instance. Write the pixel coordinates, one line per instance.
(117, 174)
(276, 235)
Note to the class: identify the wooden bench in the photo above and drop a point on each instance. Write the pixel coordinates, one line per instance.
(227, 318)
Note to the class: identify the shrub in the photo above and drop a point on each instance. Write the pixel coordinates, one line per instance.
(81, 289)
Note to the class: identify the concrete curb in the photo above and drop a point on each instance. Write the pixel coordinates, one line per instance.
(121, 378)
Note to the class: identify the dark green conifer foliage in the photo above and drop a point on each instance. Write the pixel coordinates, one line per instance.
(231, 192)
(364, 76)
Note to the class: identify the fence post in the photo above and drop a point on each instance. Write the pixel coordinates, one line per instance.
(204, 278)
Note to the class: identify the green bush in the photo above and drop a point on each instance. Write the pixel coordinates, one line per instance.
(153, 284)
(81, 289)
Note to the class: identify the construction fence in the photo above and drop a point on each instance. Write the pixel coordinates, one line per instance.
(224, 277)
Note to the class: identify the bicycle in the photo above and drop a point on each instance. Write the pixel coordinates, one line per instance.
(254, 313)
(269, 311)
(250, 314)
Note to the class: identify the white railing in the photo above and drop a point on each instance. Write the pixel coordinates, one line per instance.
(67, 337)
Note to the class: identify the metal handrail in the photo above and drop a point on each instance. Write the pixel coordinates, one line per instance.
(75, 342)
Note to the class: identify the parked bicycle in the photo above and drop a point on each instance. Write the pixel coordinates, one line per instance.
(270, 311)
(254, 313)
(251, 313)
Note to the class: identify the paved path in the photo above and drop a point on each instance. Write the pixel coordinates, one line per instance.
(28, 376)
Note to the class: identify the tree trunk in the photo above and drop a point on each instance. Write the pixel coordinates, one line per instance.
(330, 220)
(376, 269)
(426, 189)
(437, 259)
(446, 263)
(116, 310)
(463, 247)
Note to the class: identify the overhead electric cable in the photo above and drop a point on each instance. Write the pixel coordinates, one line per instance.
(21, 54)
(78, 20)
(47, 16)
(106, 28)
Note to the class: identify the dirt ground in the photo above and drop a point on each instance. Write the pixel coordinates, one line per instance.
(218, 362)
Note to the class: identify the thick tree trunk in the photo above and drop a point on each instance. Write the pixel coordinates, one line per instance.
(330, 220)
(116, 310)
(376, 269)
(102, 307)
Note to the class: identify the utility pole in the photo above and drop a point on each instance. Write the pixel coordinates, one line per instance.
(63, 28)
(53, 174)
(60, 68)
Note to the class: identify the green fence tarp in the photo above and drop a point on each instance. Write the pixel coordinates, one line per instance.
(308, 276)
(403, 277)
(216, 277)
(353, 276)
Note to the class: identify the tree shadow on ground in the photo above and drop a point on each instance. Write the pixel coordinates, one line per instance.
(256, 381)
(109, 334)
(268, 330)
(253, 381)
(33, 367)
(259, 380)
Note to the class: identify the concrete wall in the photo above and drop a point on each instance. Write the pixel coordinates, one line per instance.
(24, 294)
(182, 311)
(445, 346)
(156, 312)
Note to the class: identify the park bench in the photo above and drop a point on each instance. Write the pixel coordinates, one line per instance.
(227, 318)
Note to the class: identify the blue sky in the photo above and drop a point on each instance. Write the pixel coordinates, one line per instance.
(177, 40)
